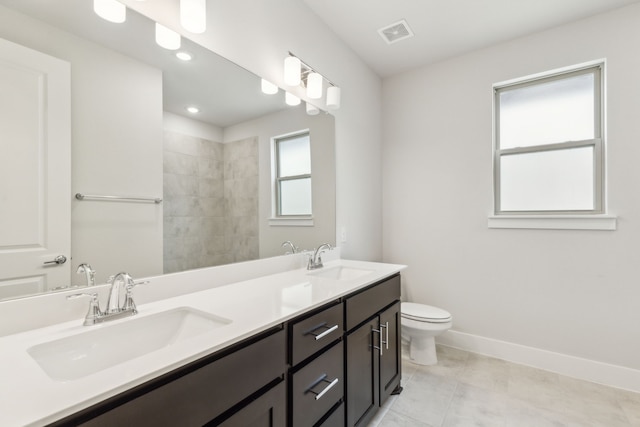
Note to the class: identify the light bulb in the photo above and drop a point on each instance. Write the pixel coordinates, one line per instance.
(314, 85)
(292, 67)
(291, 99)
(167, 38)
(312, 110)
(193, 110)
(268, 87)
(333, 97)
(110, 10)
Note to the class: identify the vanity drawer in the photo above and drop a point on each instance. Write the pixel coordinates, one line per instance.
(336, 419)
(373, 299)
(313, 333)
(317, 387)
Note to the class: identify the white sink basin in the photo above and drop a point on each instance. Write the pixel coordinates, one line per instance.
(340, 273)
(79, 355)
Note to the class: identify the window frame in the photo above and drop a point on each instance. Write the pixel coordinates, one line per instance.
(597, 143)
(277, 207)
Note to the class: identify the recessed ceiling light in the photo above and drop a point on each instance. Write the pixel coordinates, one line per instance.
(184, 56)
(193, 110)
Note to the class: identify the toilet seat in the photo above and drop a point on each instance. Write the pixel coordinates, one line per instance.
(424, 313)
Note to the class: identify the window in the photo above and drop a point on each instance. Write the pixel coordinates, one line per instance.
(548, 156)
(293, 175)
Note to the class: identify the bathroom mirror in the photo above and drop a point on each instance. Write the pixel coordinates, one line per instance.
(213, 170)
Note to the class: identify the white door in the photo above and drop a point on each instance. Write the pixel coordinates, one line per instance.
(35, 175)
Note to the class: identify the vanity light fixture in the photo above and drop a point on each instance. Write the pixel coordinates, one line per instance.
(110, 10)
(292, 69)
(167, 38)
(193, 110)
(312, 110)
(184, 56)
(291, 99)
(268, 87)
(193, 15)
(297, 73)
(314, 85)
(333, 97)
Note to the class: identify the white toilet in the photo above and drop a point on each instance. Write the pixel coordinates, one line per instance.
(420, 325)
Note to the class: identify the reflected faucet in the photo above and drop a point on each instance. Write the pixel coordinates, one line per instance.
(316, 260)
(89, 273)
(294, 248)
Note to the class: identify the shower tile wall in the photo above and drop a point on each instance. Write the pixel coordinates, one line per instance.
(206, 224)
(241, 199)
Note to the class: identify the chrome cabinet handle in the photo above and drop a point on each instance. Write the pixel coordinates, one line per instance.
(381, 342)
(323, 379)
(60, 259)
(322, 334)
(386, 329)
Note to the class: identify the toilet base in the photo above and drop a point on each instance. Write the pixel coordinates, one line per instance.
(422, 350)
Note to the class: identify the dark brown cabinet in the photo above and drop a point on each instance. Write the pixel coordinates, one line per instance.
(390, 358)
(206, 392)
(316, 377)
(372, 350)
(268, 410)
(331, 366)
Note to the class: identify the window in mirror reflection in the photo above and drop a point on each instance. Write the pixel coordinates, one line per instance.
(293, 174)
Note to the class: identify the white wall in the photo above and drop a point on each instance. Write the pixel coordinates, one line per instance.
(571, 292)
(258, 35)
(323, 181)
(186, 126)
(116, 123)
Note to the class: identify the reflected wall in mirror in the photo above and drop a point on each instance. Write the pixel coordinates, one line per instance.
(131, 136)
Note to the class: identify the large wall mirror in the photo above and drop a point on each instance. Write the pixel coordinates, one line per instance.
(132, 136)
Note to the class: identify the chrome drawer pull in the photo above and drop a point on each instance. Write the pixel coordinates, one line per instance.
(322, 334)
(323, 379)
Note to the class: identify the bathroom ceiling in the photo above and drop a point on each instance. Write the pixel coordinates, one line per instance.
(225, 93)
(444, 28)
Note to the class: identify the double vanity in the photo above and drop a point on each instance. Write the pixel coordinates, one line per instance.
(292, 348)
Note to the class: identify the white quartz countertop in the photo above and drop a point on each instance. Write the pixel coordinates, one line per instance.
(29, 397)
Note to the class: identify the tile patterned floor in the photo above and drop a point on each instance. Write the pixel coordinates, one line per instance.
(468, 390)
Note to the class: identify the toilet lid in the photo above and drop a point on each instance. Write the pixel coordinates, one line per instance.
(424, 313)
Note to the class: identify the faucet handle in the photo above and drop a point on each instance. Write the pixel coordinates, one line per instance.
(94, 312)
(92, 295)
(129, 304)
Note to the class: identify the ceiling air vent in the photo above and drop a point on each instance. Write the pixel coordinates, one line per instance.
(396, 32)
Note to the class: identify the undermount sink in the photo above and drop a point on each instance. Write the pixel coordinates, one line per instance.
(340, 273)
(93, 350)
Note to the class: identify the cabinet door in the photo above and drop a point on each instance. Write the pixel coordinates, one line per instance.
(269, 410)
(390, 361)
(362, 373)
(199, 396)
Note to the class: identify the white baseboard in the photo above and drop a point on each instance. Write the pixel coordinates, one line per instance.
(576, 367)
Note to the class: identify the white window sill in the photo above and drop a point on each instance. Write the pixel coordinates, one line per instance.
(291, 222)
(554, 222)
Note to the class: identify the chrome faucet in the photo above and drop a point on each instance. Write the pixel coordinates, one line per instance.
(113, 303)
(315, 261)
(294, 248)
(113, 310)
(89, 273)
